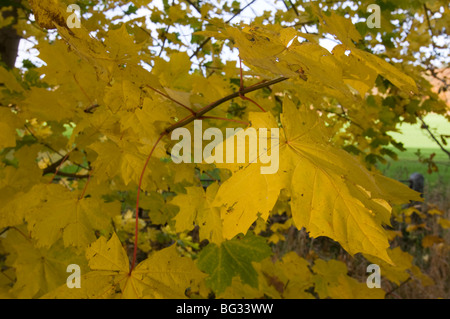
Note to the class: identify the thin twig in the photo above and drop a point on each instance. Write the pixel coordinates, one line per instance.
(4, 230)
(173, 100)
(91, 108)
(164, 40)
(401, 284)
(428, 19)
(241, 87)
(60, 164)
(225, 119)
(136, 228)
(427, 128)
(226, 22)
(194, 6)
(343, 116)
(40, 142)
(52, 169)
(85, 186)
(239, 12)
(73, 175)
(50, 148)
(436, 76)
(28, 238)
(7, 276)
(82, 90)
(200, 47)
(213, 105)
(293, 7)
(212, 177)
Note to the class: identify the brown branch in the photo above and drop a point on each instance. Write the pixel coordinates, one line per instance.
(241, 87)
(428, 20)
(212, 177)
(427, 128)
(53, 169)
(9, 37)
(7, 276)
(240, 11)
(197, 8)
(72, 175)
(430, 29)
(215, 104)
(85, 187)
(170, 98)
(164, 40)
(136, 226)
(302, 24)
(345, 117)
(54, 165)
(82, 89)
(293, 7)
(226, 22)
(225, 119)
(59, 166)
(200, 47)
(40, 142)
(432, 70)
(28, 238)
(90, 109)
(4, 230)
(401, 284)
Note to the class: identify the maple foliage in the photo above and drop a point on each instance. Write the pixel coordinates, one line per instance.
(86, 172)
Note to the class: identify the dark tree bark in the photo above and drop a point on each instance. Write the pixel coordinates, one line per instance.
(9, 39)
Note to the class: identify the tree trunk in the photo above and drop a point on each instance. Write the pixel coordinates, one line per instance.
(9, 39)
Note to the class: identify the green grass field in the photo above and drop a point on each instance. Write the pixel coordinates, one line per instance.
(408, 163)
(414, 138)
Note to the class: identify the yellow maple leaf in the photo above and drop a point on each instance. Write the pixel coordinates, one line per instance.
(396, 273)
(124, 159)
(289, 277)
(350, 288)
(196, 209)
(60, 213)
(9, 81)
(244, 196)
(430, 240)
(15, 183)
(48, 13)
(445, 223)
(38, 270)
(332, 193)
(388, 71)
(356, 73)
(163, 275)
(341, 27)
(331, 280)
